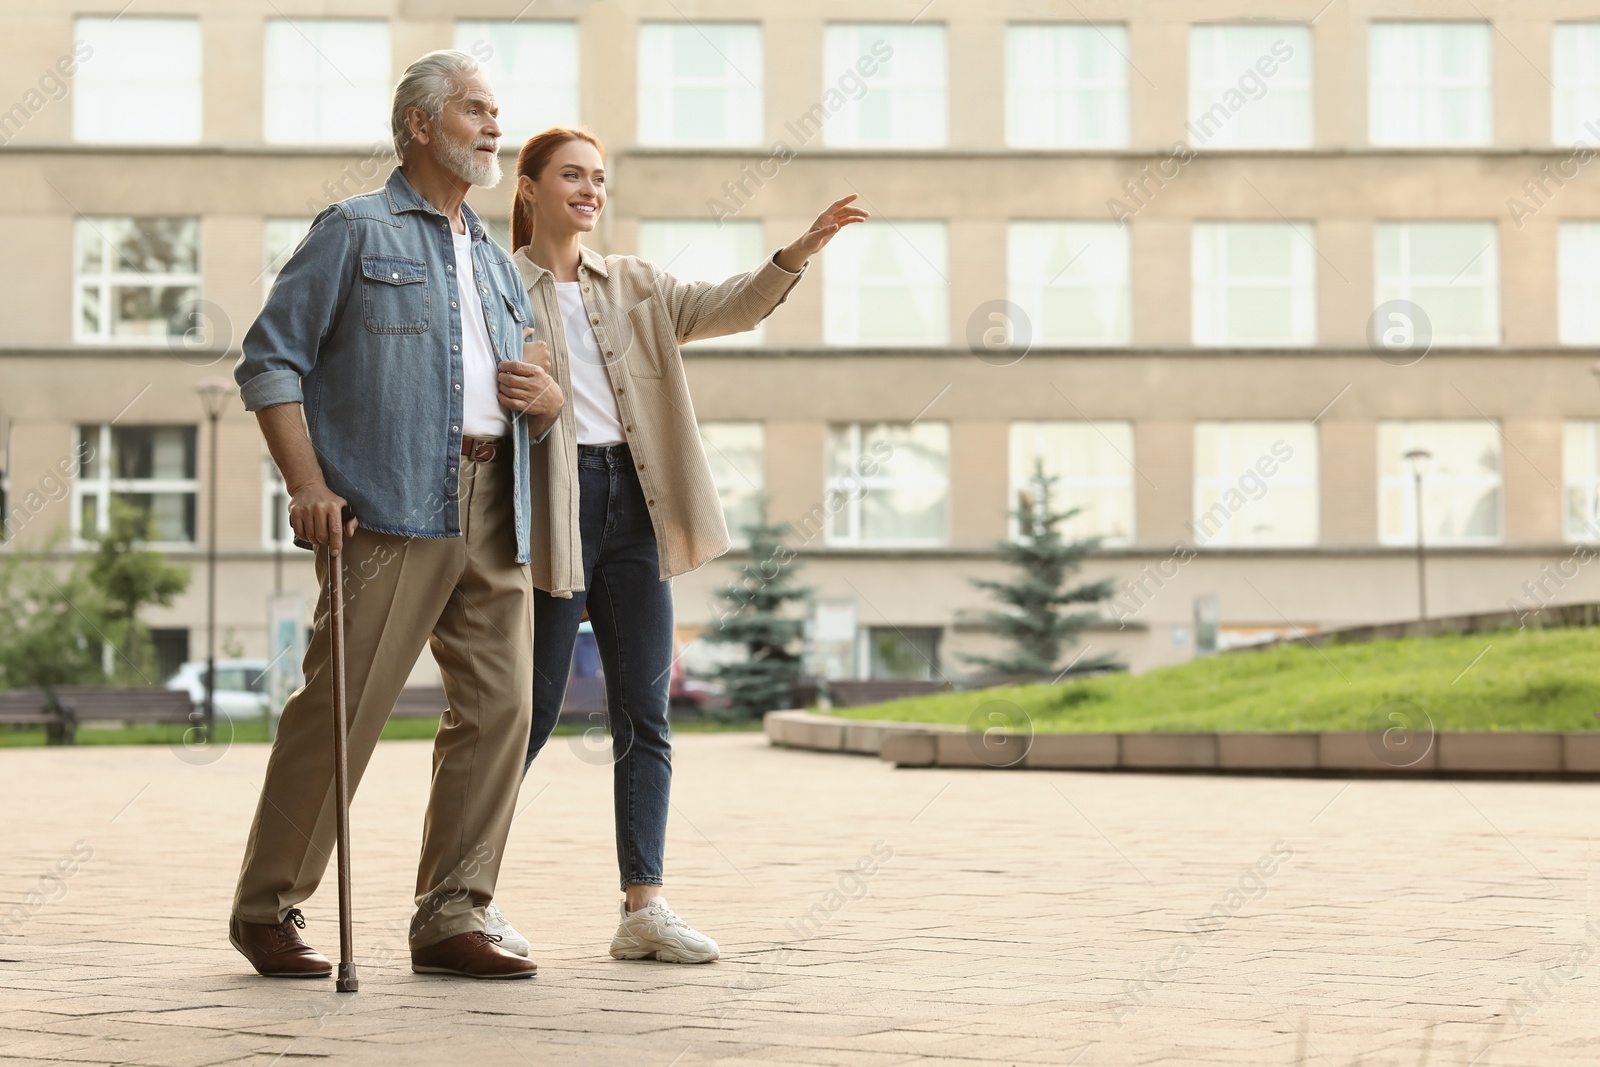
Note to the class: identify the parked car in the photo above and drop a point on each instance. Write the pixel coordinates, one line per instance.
(241, 687)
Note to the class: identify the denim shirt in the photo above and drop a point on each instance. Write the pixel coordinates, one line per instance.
(362, 328)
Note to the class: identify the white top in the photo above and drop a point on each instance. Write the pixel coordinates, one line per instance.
(593, 403)
(481, 413)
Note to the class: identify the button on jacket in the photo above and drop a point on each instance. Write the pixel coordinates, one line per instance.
(640, 314)
(363, 328)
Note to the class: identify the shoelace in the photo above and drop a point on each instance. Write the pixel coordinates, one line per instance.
(286, 936)
(493, 938)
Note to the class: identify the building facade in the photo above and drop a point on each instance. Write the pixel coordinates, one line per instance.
(1248, 285)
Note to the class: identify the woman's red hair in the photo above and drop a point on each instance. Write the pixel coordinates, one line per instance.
(530, 162)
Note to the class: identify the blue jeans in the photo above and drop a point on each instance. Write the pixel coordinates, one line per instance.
(630, 608)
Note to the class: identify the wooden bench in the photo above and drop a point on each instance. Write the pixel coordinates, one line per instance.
(29, 707)
(150, 706)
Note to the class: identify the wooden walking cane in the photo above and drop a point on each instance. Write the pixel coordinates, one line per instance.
(347, 981)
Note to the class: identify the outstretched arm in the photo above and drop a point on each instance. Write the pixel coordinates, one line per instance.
(835, 217)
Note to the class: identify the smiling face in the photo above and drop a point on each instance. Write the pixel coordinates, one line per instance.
(468, 144)
(570, 192)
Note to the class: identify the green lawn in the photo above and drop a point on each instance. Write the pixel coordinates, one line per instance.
(1526, 680)
(395, 730)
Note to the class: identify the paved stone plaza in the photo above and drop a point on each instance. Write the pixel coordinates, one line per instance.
(1004, 917)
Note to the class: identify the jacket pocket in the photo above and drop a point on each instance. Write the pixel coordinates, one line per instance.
(394, 294)
(515, 320)
(650, 342)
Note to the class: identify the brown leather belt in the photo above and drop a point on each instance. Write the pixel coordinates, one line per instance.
(484, 449)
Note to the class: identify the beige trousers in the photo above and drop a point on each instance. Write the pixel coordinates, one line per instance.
(471, 599)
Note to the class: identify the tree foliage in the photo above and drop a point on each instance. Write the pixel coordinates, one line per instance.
(754, 616)
(1037, 617)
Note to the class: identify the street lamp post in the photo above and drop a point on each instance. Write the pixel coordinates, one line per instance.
(214, 394)
(1418, 456)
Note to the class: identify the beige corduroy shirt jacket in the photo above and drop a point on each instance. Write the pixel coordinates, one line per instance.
(640, 314)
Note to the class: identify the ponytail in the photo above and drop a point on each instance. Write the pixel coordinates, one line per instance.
(530, 162)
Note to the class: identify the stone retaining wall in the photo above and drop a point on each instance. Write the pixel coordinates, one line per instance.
(1344, 753)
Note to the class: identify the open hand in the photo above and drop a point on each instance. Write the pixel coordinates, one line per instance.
(835, 217)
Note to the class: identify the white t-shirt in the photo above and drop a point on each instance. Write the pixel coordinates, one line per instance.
(593, 403)
(481, 413)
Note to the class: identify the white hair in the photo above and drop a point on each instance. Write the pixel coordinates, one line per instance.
(427, 84)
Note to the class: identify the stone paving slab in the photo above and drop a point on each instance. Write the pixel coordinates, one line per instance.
(1036, 917)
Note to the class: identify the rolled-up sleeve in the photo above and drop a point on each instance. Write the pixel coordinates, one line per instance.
(283, 344)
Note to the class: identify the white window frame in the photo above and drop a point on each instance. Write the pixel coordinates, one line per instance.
(741, 480)
(674, 245)
(741, 84)
(1578, 276)
(284, 123)
(1235, 131)
(1103, 272)
(1401, 284)
(845, 492)
(923, 246)
(1060, 90)
(273, 259)
(846, 43)
(1399, 109)
(1580, 480)
(1575, 83)
(106, 280)
(1211, 285)
(124, 80)
(543, 92)
(274, 505)
(1404, 484)
(104, 486)
(1232, 469)
(1069, 490)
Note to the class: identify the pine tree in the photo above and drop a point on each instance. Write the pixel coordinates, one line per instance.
(1037, 620)
(753, 616)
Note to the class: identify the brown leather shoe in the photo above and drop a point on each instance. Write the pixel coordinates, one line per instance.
(473, 954)
(277, 951)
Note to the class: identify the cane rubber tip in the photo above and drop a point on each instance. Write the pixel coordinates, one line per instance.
(347, 982)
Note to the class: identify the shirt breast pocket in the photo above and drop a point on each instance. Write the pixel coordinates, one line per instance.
(516, 320)
(648, 339)
(394, 294)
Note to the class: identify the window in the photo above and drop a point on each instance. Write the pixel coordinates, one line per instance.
(903, 104)
(1449, 270)
(737, 454)
(1580, 480)
(532, 67)
(171, 648)
(151, 468)
(1430, 84)
(1093, 465)
(700, 83)
(903, 653)
(700, 250)
(884, 283)
(1071, 281)
(1579, 271)
(138, 280)
(275, 528)
(141, 82)
(1250, 86)
(280, 237)
(1255, 283)
(1066, 86)
(1460, 482)
(888, 483)
(327, 82)
(1255, 484)
(1575, 93)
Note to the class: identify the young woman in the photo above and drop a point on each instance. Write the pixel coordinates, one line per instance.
(622, 494)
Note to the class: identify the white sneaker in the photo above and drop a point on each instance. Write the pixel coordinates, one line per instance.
(656, 932)
(496, 925)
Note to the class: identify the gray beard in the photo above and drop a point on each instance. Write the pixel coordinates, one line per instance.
(458, 158)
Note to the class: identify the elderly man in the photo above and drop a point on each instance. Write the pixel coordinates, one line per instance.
(385, 374)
